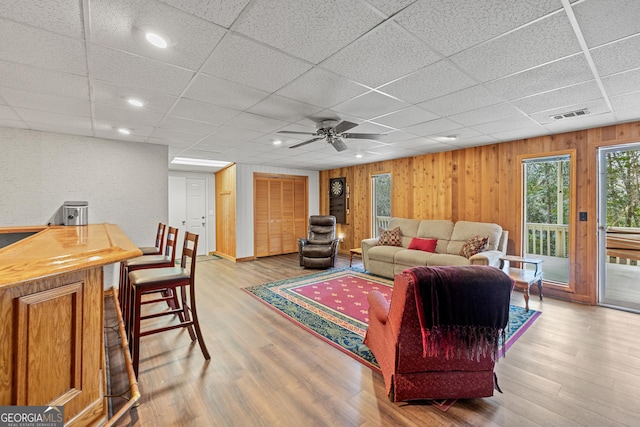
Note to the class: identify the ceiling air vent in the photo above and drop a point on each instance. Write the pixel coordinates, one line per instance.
(576, 113)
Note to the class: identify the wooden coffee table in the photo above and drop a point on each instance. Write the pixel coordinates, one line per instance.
(352, 252)
(522, 277)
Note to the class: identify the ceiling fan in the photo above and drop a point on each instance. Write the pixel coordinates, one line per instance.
(333, 131)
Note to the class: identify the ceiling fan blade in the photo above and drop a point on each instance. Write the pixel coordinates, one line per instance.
(374, 136)
(296, 133)
(344, 126)
(338, 144)
(306, 142)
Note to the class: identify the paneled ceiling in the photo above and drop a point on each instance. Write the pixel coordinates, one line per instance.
(238, 71)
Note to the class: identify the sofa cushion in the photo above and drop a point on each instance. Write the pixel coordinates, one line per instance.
(408, 228)
(411, 258)
(427, 245)
(447, 259)
(384, 253)
(391, 237)
(473, 246)
(440, 229)
(464, 230)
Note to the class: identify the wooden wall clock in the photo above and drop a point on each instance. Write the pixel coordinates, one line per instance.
(338, 199)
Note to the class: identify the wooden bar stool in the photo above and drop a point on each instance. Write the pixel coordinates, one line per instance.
(158, 248)
(146, 250)
(159, 279)
(142, 263)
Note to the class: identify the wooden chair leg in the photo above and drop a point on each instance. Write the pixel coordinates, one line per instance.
(196, 324)
(135, 334)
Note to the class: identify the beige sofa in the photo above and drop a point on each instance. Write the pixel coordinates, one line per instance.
(387, 261)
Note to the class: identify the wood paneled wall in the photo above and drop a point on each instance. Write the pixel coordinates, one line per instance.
(483, 184)
(226, 212)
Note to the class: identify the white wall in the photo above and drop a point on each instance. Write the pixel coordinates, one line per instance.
(244, 201)
(125, 183)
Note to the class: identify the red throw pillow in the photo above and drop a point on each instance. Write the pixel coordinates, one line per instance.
(427, 245)
(390, 237)
(473, 246)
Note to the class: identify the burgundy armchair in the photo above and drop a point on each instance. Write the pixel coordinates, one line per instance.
(438, 337)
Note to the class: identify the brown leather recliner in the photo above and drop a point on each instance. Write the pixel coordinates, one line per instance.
(320, 248)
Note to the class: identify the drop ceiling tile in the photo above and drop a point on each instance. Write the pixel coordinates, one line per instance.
(621, 16)
(430, 82)
(7, 113)
(464, 100)
(224, 92)
(32, 46)
(38, 101)
(312, 88)
(109, 129)
(576, 94)
(293, 25)
(384, 54)
(434, 127)
(580, 123)
(115, 95)
(37, 117)
(221, 12)
(244, 61)
(63, 17)
(506, 124)
(595, 107)
(170, 142)
(121, 24)
(617, 57)
(390, 7)
(202, 111)
(420, 143)
(397, 136)
(626, 101)
(406, 117)
(486, 114)
(257, 123)
(564, 72)
(50, 82)
(369, 127)
(128, 116)
(281, 108)
(236, 134)
(473, 142)
(114, 135)
(78, 127)
(519, 50)
(522, 133)
(17, 124)
(186, 125)
(176, 135)
(630, 115)
(618, 84)
(451, 27)
(126, 69)
(369, 105)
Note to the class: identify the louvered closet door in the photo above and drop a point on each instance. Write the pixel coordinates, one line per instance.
(261, 217)
(280, 214)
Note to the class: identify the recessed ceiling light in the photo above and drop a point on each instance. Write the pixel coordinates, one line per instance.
(451, 137)
(198, 162)
(156, 40)
(124, 131)
(358, 156)
(135, 102)
(277, 142)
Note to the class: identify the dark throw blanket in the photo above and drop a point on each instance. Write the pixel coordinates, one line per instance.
(463, 311)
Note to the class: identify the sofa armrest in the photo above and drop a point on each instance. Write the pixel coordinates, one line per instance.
(366, 245)
(491, 258)
(378, 307)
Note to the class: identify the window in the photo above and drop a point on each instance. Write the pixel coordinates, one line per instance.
(380, 202)
(547, 213)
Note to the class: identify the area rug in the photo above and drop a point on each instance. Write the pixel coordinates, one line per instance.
(332, 305)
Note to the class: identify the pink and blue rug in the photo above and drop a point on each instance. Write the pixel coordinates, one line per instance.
(332, 305)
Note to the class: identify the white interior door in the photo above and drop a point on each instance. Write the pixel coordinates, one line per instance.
(178, 207)
(196, 211)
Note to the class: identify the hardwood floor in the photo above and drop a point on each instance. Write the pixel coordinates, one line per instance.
(577, 365)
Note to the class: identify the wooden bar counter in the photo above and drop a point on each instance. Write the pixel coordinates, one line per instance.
(51, 317)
